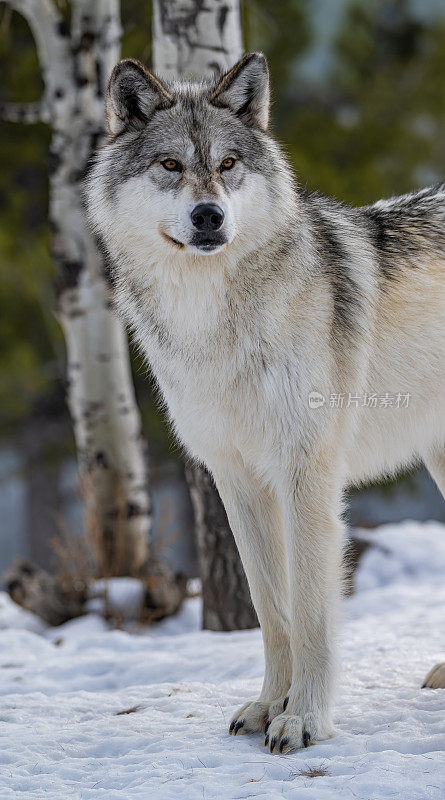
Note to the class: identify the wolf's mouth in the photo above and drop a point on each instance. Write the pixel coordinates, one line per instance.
(208, 246)
(208, 243)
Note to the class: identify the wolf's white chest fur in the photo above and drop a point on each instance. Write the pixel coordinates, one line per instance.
(230, 384)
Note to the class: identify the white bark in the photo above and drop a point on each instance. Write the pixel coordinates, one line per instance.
(52, 46)
(76, 65)
(194, 38)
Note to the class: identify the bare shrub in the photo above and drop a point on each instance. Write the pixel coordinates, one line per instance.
(82, 558)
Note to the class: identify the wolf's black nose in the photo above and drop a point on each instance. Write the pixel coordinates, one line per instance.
(207, 217)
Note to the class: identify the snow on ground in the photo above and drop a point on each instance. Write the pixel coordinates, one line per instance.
(89, 712)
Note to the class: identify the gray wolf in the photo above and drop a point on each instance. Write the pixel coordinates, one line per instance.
(260, 306)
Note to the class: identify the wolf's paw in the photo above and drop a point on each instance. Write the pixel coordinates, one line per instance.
(289, 732)
(255, 716)
(435, 678)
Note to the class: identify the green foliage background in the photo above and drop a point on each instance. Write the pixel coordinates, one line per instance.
(369, 124)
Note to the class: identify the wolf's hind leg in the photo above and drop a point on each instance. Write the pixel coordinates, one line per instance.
(256, 520)
(435, 462)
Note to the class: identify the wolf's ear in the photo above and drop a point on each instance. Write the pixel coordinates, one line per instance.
(133, 96)
(245, 90)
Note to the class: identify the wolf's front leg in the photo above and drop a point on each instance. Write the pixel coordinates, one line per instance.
(257, 524)
(314, 534)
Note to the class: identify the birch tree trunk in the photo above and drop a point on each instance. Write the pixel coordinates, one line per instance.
(193, 38)
(75, 66)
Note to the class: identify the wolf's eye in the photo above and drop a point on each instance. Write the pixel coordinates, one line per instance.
(172, 165)
(228, 163)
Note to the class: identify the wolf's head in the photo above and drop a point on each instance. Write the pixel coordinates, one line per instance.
(189, 168)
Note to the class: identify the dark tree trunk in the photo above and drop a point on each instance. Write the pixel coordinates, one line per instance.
(226, 598)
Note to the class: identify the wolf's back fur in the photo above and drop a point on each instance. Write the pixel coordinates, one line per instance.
(306, 295)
